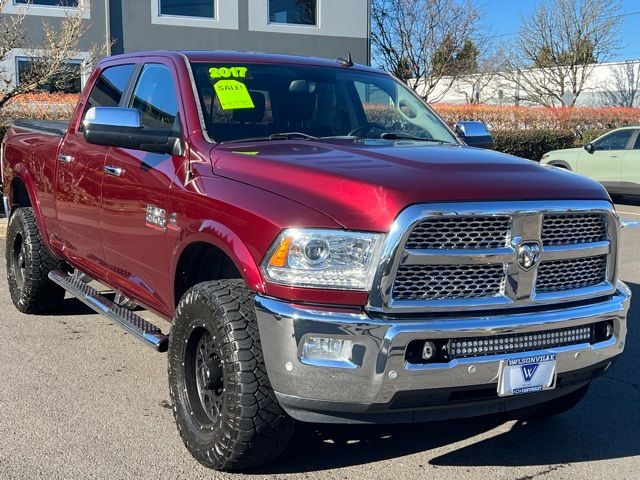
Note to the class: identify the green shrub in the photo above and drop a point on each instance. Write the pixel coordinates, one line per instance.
(532, 144)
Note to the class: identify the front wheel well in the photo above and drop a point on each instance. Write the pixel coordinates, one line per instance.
(202, 262)
(559, 164)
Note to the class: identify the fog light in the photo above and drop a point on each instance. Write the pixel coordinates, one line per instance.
(428, 351)
(327, 349)
(605, 330)
(608, 331)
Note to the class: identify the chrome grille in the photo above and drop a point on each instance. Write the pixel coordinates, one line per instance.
(475, 256)
(567, 229)
(460, 233)
(431, 282)
(560, 275)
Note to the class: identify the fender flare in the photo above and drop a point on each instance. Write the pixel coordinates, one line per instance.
(21, 172)
(220, 236)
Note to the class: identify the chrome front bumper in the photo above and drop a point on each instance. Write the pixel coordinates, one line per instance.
(318, 392)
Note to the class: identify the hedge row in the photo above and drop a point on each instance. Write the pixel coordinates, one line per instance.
(577, 120)
(532, 144)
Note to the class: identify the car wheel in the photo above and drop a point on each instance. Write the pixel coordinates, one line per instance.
(225, 409)
(28, 266)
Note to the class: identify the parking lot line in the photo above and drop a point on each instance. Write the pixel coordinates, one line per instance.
(628, 213)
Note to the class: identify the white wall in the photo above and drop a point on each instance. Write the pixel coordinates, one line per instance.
(498, 90)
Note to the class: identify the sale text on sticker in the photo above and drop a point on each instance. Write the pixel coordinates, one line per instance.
(233, 95)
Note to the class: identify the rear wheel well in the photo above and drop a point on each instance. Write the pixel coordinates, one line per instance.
(19, 194)
(202, 262)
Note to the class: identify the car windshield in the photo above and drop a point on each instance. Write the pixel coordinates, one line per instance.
(279, 102)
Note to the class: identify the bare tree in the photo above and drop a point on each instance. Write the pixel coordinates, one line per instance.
(623, 88)
(558, 46)
(48, 60)
(479, 87)
(425, 43)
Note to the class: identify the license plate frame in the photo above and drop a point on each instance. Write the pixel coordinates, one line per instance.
(527, 374)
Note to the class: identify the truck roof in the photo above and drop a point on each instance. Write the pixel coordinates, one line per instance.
(231, 56)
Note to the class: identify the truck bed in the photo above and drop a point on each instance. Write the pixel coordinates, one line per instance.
(47, 127)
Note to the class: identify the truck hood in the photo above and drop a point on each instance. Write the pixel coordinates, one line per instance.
(365, 185)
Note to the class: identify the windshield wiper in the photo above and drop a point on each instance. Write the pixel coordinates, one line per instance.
(406, 136)
(291, 136)
(276, 136)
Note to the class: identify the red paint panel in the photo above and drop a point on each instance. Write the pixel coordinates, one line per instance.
(365, 186)
(79, 198)
(137, 254)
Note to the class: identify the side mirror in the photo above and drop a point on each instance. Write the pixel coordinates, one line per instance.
(589, 147)
(474, 134)
(122, 127)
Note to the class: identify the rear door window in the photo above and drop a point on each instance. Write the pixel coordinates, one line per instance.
(110, 86)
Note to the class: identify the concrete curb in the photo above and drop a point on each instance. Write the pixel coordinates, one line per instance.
(3, 227)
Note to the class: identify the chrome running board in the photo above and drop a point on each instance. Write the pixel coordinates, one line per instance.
(132, 323)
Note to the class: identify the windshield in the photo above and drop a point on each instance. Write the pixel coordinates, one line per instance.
(273, 102)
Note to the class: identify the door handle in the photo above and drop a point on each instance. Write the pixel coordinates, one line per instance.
(615, 156)
(65, 158)
(113, 171)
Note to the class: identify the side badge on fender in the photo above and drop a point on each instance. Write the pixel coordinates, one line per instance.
(173, 222)
(156, 218)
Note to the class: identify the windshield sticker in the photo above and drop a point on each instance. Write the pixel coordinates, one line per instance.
(233, 95)
(240, 152)
(228, 72)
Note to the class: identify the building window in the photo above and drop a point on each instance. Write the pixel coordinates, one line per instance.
(192, 8)
(48, 3)
(69, 81)
(297, 12)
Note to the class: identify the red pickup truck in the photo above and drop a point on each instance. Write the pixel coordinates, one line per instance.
(326, 248)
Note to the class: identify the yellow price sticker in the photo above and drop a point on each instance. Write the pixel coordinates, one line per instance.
(228, 72)
(233, 95)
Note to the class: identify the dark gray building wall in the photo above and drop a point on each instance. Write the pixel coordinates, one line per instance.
(132, 31)
(135, 25)
(96, 31)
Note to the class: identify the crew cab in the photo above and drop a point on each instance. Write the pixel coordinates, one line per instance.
(325, 246)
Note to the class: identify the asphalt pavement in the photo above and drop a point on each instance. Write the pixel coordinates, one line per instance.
(81, 399)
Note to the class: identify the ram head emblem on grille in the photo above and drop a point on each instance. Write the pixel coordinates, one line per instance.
(528, 255)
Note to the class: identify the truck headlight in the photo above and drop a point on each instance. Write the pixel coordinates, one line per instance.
(323, 259)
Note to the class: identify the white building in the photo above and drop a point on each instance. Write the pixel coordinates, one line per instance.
(497, 89)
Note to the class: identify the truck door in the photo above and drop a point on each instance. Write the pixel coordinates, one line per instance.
(604, 163)
(136, 192)
(79, 178)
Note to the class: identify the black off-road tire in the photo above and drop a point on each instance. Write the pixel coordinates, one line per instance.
(28, 266)
(553, 407)
(247, 427)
